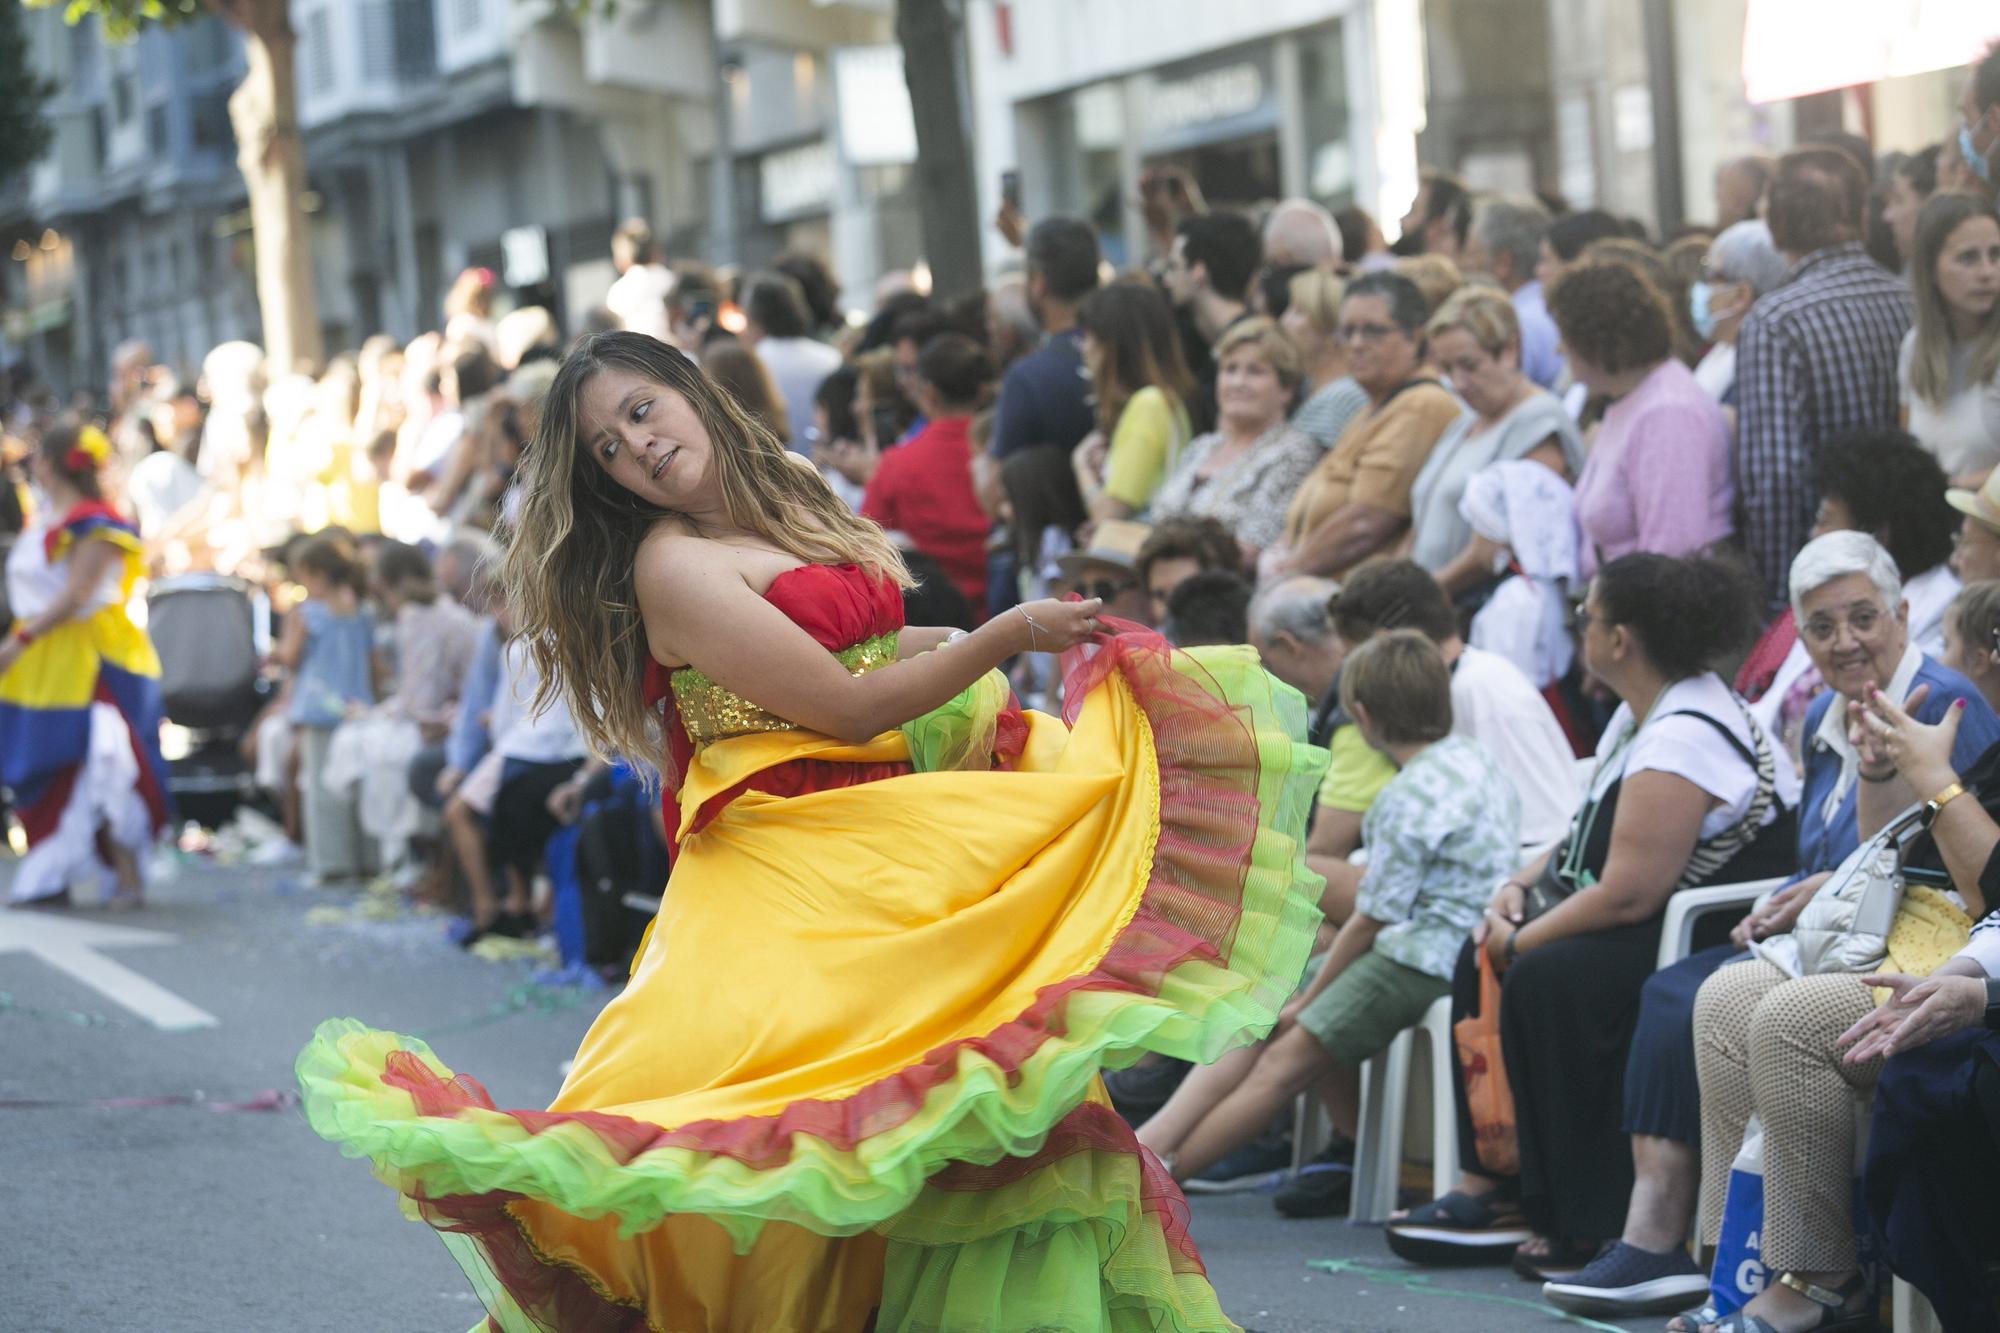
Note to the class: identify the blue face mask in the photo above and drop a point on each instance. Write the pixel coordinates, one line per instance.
(1973, 157)
(1701, 309)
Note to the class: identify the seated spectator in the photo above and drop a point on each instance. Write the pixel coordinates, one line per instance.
(435, 640)
(1142, 387)
(1933, 1159)
(1972, 638)
(1659, 476)
(819, 288)
(1437, 277)
(1491, 701)
(1912, 181)
(1884, 484)
(1438, 835)
(1211, 608)
(1975, 554)
(1312, 322)
(1505, 244)
(327, 644)
(739, 371)
(1043, 410)
(1108, 568)
(1242, 472)
(1177, 549)
(778, 327)
(1356, 502)
(638, 298)
(1688, 791)
(923, 489)
(498, 814)
(1844, 590)
(1742, 265)
(1208, 273)
(528, 335)
(1767, 1042)
(1567, 238)
(839, 449)
(1949, 367)
(1476, 341)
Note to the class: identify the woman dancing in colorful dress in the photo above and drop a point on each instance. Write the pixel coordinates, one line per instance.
(853, 1082)
(79, 686)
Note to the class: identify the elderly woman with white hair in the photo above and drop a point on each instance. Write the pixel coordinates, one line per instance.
(1767, 1042)
(1742, 265)
(1853, 621)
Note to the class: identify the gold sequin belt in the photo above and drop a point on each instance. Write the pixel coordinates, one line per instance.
(712, 713)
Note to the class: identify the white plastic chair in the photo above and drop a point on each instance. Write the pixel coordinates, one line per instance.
(1910, 1312)
(1688, 905)
(1385, 1087)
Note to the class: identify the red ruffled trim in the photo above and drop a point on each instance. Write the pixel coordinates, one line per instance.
(81, 519)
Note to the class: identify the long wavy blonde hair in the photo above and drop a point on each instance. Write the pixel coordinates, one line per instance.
(569, 565)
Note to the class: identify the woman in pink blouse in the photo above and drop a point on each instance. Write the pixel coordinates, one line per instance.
(1659, 476)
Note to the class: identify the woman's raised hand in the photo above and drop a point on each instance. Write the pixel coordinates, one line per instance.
(1884, 731)
(1052, 626)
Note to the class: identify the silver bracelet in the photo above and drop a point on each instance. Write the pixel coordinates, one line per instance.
(1032, 628)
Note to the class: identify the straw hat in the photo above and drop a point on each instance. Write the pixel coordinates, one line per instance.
(1982, 504)
(1114, 542)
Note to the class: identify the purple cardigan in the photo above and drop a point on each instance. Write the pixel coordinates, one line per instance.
(1659, 477)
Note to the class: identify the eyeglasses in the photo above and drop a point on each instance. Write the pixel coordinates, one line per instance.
(1864, 621)
(1366, 333)
(1107, 590)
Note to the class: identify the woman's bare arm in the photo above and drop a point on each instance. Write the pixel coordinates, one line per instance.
(698, 610)
(1652, 835)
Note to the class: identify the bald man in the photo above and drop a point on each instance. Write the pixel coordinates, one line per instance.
(1300, 232)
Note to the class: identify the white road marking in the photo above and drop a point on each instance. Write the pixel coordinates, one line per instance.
(71, 947)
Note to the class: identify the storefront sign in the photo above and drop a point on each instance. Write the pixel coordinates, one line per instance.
(796, 181)
(1215, 99)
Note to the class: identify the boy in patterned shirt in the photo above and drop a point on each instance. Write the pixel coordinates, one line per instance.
(1440, 835)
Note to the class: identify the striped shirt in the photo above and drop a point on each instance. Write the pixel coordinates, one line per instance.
(1816, 358)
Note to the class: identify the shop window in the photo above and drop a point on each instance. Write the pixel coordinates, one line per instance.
(211, 121)
(1327, 130)
(156, 129)
(318, 56)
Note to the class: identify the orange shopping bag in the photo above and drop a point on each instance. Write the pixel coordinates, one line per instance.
(1487, 1095)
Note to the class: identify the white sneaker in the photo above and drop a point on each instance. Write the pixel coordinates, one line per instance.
(280, 851)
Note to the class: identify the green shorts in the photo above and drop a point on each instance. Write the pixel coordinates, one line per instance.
(1357, 1016)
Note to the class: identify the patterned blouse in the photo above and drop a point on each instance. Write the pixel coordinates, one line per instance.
(1251, 493)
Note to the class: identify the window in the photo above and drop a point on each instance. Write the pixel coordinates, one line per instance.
(467, 16)
(318, 61)
(211, 120)
(122, 97)
(156, 129)
(377, 42)
(415, 23)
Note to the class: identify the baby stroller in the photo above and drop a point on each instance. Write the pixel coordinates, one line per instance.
(211, 633)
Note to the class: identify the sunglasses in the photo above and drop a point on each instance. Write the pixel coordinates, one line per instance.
(1106, 590)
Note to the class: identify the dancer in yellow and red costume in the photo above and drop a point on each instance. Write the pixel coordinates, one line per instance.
(79, 686)
(853, 1081)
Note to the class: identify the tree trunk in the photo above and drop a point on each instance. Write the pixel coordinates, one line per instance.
(947, 196)
(264, 113)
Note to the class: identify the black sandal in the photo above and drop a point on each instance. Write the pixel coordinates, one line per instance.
(1460, 1228)
(1833, 1303)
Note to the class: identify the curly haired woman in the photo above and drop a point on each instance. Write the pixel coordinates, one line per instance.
(853, 1082)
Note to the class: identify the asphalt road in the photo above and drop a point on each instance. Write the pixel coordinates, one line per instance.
(176, 1218)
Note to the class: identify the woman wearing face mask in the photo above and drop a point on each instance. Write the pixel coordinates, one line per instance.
(79, 686)
(1476, 339)
(1742, 265)
(792, 1117)
(1950, 364)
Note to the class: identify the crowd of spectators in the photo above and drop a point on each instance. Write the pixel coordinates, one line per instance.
(1612, 566)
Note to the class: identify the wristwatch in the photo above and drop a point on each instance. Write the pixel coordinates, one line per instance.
(1937, 803)
(1993, 1004)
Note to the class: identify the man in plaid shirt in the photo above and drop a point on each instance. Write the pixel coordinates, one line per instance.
(1815, 358)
